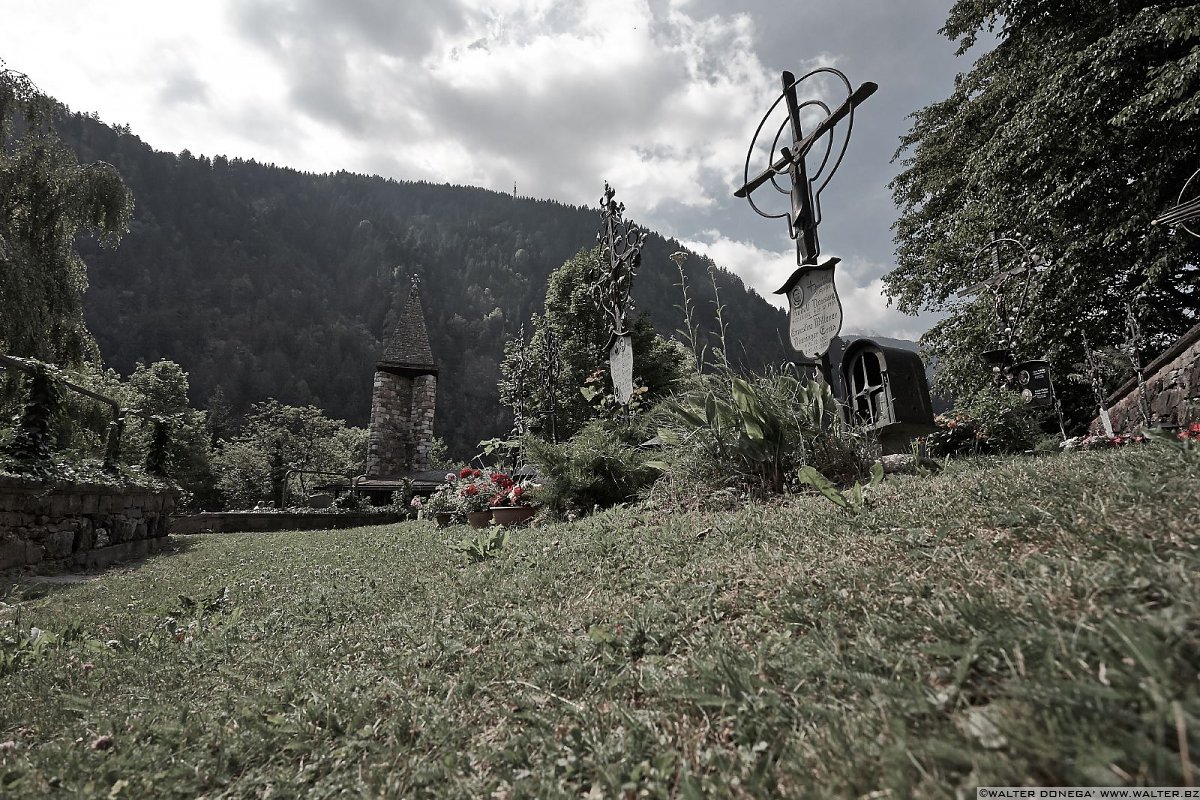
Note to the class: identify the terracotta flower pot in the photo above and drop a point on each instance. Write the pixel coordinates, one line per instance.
(479, 519)
(511, 515)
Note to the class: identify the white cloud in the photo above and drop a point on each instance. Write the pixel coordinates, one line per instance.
(659, 97)
(864, 306)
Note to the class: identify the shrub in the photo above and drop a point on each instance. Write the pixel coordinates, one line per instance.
(990, 422)
(600, 466)
(753, 433)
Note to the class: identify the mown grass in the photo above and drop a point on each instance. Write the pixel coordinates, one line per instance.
(1007, 622)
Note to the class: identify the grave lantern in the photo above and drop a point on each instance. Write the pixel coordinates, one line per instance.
(886, 390)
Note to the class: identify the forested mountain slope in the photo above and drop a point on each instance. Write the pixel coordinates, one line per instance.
(270, 282)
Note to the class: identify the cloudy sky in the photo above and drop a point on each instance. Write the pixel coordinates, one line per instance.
(658, 97)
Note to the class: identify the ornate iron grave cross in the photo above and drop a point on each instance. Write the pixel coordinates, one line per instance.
(1013, 268)
(815, 311)
(620, 256)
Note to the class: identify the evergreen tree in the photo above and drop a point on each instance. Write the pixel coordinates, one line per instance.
(576, 331)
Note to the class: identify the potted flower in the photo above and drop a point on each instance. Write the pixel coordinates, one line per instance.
(441, 505)
(514, 504)
(474, 494)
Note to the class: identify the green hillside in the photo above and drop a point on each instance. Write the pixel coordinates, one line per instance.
(270, 282)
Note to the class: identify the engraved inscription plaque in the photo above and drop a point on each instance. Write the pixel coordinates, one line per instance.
(620, 366)
(814, 308)
(1033, 382)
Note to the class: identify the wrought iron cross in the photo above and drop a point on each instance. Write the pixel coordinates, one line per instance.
(620, 256)
(805, 213)
(814, 309)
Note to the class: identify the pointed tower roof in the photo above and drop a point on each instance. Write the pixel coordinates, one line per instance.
(408, 350)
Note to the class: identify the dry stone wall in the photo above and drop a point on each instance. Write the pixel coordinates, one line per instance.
(78, 525)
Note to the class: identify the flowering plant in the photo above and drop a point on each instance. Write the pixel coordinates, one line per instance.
(474, 490)
(1102, 442)
(1190, 435)
(442, 501)
(518, 494)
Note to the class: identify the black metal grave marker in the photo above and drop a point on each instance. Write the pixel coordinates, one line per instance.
(814, 309)
(1014, 265)
(620, 256)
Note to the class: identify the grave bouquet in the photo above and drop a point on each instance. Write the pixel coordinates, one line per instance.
(510, 494)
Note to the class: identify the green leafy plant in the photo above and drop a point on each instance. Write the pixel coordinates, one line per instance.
(444, 499)
(506, 451)
(30, 448)
(757, 430)
(990, 422)
(598, 467)
(484, 545)
(853, 500)
(604, 401)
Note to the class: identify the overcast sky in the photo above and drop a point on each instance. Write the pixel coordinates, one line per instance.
(658, 97)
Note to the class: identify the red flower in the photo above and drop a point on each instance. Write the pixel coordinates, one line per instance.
(470, 491)
(475, 473)
(465, 472)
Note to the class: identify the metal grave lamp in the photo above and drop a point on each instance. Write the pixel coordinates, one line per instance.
(1014, 266)
(804, 166)
(620, 256)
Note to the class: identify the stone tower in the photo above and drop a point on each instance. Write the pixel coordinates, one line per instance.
(403, 399)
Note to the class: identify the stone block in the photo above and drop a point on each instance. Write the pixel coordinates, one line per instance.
(85, 537)
(323, 500)
(12, 552)
(59, 544)
(58, 505)
(122, 530)
(13, 519)
(1164, 405)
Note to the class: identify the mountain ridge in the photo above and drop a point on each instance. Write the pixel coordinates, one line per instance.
(267, 281)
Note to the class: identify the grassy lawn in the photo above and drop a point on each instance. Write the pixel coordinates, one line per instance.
(1010, 621)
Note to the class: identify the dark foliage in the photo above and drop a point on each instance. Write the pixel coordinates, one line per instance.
(1077, 129)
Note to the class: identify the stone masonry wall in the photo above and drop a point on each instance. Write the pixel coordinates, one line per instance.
(68, 526)
(390, 438)
(423, 401)
(1172, 390)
